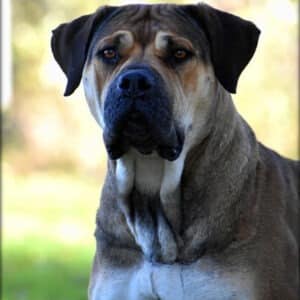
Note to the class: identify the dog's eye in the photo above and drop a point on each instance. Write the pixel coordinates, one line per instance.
(180, 54)
(109, 55)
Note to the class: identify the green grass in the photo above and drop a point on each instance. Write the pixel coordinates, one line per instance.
(48, 242)
(36, 269)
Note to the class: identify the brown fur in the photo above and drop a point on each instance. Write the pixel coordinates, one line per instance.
(229, 228)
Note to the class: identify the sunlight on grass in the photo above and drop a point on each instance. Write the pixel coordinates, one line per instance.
(37, 268)
(48, 242)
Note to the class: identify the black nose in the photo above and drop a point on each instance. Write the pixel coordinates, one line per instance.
(135, 82)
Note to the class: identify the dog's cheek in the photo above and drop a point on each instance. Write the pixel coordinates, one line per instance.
(206, 82)
(93, 94)
(189, 77)
(197, 80)
(189, 88)
(183, 105)
(194, 104)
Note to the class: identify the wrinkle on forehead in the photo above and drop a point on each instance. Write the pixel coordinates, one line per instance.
(145, 21)
(163, 39)
(123, 38)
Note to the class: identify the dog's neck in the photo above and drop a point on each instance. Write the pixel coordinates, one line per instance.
(226, 129)
(217, 169)
(176, 210)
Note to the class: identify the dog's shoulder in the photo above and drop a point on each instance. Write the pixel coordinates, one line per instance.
(278, 189)
(287, 169)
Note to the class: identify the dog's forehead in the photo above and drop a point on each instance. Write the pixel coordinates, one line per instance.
(146, 21)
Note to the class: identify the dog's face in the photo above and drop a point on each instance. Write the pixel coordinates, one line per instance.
(149, 72)
(148, 75)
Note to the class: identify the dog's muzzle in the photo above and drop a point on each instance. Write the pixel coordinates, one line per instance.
(137, 113)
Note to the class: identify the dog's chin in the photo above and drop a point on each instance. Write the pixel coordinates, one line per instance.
(138, 134)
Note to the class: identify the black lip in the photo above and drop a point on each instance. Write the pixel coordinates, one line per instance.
(117, 146)
(138, 133)
(172, 151)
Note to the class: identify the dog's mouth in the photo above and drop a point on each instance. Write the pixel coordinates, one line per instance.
(138, 132)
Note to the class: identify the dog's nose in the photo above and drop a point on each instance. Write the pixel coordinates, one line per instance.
(135, 83)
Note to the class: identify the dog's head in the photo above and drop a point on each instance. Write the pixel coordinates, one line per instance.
(149, 70)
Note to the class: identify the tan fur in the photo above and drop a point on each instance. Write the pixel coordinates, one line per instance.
(187, 86)
(230, 227)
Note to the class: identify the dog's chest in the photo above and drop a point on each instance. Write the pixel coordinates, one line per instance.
(148, 175)
(201, 280)
(140, 172)
(204, 279)
(147, 188)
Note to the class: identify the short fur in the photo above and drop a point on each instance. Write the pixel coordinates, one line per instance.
(220, 219)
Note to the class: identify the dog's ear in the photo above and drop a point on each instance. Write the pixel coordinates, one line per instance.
(232, 41)
(70, 43)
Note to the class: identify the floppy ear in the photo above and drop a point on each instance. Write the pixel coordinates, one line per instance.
(70, 43)
(232, 42)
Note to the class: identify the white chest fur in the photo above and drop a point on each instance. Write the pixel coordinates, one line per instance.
(150, 174)
(155, 178)
(149, 171)
(203, 280)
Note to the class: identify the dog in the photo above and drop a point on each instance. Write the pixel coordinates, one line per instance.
(193, 206)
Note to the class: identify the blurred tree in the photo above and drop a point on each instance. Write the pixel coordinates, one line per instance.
(31, 20)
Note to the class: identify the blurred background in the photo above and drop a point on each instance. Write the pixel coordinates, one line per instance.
(53, 160)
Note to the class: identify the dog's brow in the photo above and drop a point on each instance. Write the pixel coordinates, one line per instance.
(163, 39)
(123, 39)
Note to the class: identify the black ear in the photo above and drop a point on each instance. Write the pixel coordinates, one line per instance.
(70, 43)
(232, 42)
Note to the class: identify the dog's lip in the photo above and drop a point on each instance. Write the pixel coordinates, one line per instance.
(136, 132)
(172, 150)
(117, 146)
(136, 125)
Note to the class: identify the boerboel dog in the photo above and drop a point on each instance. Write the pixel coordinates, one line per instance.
(193, 206)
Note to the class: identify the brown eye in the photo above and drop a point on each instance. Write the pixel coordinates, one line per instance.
(180, 54)
(109, 53)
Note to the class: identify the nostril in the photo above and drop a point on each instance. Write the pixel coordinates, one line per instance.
(134, 82)
(124, 84)
(144, 84)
